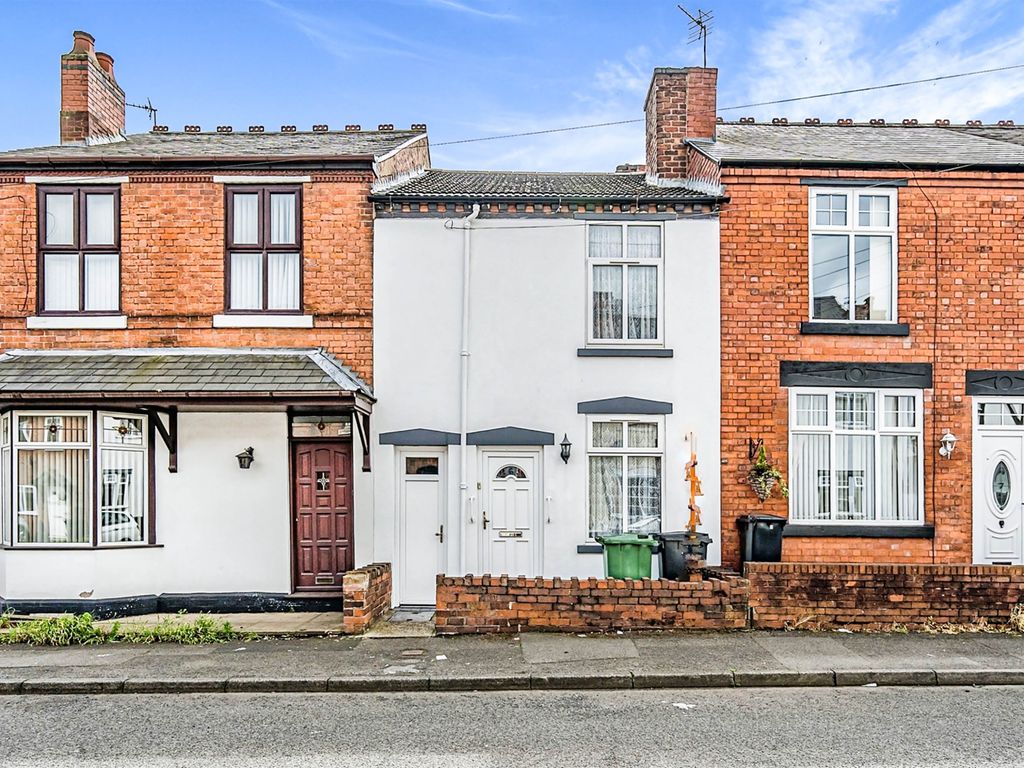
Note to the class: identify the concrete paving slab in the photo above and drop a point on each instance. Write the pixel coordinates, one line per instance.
(541, 648)
(706, 651)
(809, 652)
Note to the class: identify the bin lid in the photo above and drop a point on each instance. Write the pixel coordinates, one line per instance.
(683, 536)
(761, 519)
(637, 539)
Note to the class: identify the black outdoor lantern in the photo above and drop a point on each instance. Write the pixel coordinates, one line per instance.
(245, 458)
(566, 447)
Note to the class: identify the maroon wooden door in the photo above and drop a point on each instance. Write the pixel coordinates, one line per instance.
(323, 514)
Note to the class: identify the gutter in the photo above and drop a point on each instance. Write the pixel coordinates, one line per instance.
(464, 499)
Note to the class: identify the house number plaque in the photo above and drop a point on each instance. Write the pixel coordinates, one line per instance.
(510, 534)
(323, 481)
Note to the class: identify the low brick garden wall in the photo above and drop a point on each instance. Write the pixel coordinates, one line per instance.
(483, 604)
(366, 596)
(811, 596)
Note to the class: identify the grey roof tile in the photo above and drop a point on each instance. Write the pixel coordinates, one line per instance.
(439, 184)
(893, 144)
(175, 372)
(185, 146)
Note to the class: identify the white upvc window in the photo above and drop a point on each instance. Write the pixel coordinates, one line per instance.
(853, 244)
(625, 275)
(74, 478)
(625, 474)
(855, 456)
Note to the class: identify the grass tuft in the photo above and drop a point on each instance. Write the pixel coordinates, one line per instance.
(81, 629)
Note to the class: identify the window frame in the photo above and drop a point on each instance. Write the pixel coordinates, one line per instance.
(852, 230)
(879, 430)
(11, 445)
(625, 262)
(625, 452)
(263, 246)
(78, 247)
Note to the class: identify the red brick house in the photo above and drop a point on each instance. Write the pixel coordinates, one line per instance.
(186, 322)
(871, 308)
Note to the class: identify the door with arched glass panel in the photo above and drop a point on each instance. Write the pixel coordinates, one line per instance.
(509, 514)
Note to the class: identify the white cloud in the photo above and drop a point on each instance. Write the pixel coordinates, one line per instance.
(472, 10)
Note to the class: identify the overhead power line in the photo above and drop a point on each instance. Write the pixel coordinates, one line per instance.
(791, 100)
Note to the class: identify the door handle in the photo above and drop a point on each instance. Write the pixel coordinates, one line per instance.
(486, 521)
(440, 534)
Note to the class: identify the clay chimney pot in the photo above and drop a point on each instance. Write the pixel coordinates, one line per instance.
(84, 42)
(106, 62)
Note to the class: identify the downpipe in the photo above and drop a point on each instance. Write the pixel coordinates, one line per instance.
(465, 510)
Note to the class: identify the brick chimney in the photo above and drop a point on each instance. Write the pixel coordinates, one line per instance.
(681, 105)
(91, 101)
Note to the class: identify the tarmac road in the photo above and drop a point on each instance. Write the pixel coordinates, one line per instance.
(727, 727)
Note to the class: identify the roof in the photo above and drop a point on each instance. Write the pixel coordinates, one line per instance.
(888, 145)
(530, 185)
(162, 373)
(212, 146)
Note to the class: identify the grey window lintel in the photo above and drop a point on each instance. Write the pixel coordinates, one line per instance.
(418, 437)
(624, 405)
(825, 181)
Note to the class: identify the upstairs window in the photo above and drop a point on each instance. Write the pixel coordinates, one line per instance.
(79, 250)
(625, 270)
(264, 249)
(853, 255)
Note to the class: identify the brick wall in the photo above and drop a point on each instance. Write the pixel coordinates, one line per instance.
(965, 312)
(809, 596)
(366, 596)
(172, 268)
(485, 604)
(680, 105)
(91, 102)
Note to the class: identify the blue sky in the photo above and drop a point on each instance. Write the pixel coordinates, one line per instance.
(473, 68)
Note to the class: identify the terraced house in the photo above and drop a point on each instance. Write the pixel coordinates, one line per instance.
(186, 324)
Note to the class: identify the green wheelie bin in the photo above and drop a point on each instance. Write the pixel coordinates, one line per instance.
(628, 555)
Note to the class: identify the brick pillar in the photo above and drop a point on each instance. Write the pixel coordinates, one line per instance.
(681, 104)
(91, 101)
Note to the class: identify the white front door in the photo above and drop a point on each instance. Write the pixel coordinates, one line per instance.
(510, 513)
(420, 527)
(998, 480)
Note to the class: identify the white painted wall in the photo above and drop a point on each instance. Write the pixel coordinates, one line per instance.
(220, 528)
(529, 316)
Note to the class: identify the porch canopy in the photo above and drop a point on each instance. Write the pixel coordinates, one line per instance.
(166, 380)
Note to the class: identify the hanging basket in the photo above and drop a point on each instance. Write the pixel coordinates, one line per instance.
(764, 478)
(763, 485)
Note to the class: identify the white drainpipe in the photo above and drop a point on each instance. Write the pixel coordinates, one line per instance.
(467, 228)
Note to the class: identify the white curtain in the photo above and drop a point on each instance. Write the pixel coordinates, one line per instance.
(246, 219)
(60, 281)
(60, 219)
(607, 434)
(605, 495)
(644, 242)
(282, 218)
(644, 497)
(643, 435)
(283, 281)
(246, 281)
(873, 269)
(809, 487)
(899, 477)
(99, 219)
(605, 242)
(122, 494)
(643, 302)
(607, 300)
(53, 496)
(855, 477)
(101, 282)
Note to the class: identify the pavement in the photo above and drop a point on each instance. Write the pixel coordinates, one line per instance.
(529, 661)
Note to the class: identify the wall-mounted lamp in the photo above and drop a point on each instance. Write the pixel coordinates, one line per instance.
(947, 444)
(566, 447)
(245, 458)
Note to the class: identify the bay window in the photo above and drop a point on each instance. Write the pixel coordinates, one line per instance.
(625, 271)
(853, 255)
(264, 249)
(625, 476)
(79, 250)
(74, 478)
(855, 456)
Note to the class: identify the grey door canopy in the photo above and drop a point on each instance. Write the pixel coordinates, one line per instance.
(510, 436)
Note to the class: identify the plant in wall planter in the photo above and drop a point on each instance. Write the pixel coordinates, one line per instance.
(765, 478)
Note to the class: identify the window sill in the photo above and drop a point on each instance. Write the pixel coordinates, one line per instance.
(623, 352)
(262, 321)
(589, 549)
(861, 531)
(68, 322)
(854, 329)
(72, 548)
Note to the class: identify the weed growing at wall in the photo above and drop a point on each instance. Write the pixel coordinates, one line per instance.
(82, 629)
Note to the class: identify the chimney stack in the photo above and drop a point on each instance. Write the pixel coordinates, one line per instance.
(681, 105)
(91, 101)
